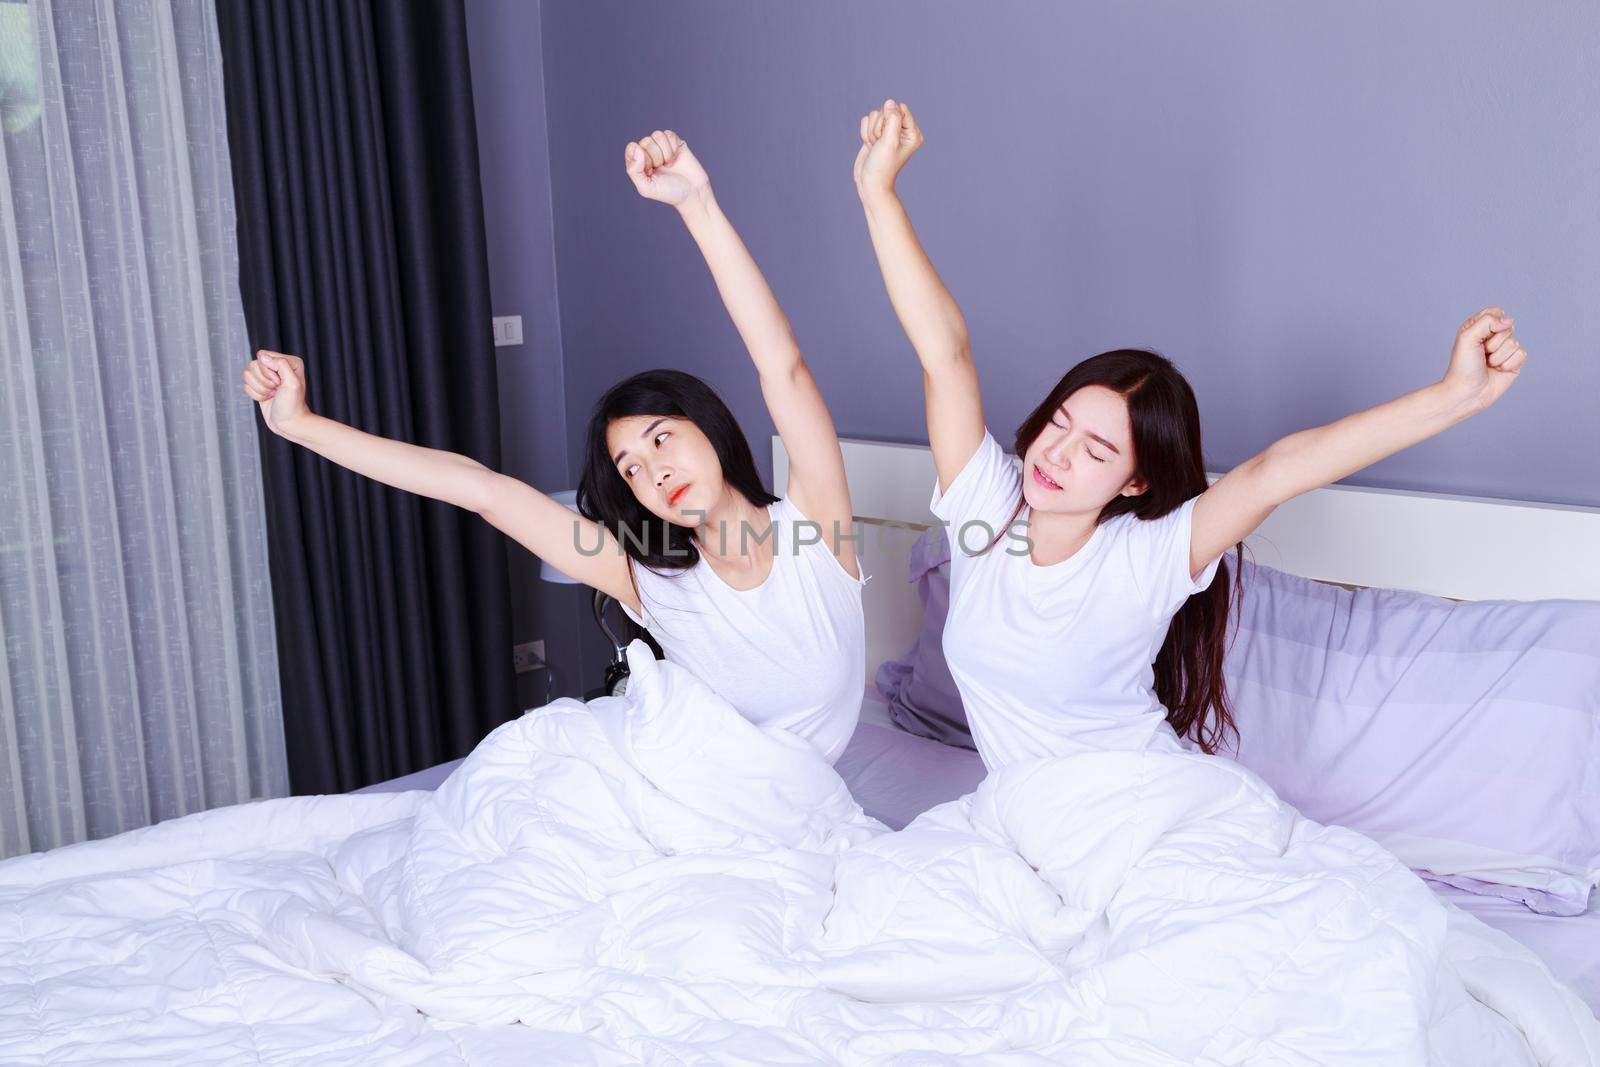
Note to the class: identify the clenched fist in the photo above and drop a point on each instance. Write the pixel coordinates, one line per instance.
(889, 137)
(662, 168)
(1487, 357)
(277, 382)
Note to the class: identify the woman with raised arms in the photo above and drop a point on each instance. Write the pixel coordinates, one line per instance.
(1086, 609)
(759, 596)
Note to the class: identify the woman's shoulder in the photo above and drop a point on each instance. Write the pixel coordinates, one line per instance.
(1134, 522)
(653, 578)
(788, 519)
(788, 524)
(1157, 536)
(814, 545)
(986, 492)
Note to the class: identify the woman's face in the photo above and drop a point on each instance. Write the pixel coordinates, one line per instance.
(1083, 458)
(668, 463)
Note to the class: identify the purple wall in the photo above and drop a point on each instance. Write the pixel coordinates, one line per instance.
(514, 158)
(1298, 203)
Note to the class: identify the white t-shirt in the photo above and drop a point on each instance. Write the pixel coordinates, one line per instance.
(790, 653)
(1058, 659)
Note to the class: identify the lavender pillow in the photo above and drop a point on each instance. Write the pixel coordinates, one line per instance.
(921, 694)
(1464, 737)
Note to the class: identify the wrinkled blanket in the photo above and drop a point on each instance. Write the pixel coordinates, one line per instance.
(653, 879)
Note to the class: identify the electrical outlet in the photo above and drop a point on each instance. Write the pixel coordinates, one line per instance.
(507, 330)
(528, 656)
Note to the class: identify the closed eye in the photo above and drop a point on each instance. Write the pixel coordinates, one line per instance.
(1086, 448)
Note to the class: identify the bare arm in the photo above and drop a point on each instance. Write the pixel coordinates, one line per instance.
(662, 167)
(928, 313)
(547, 528)
(1485, 360)
(578, 547)
(430, 472)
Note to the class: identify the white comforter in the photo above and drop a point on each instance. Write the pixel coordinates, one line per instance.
(652, 879)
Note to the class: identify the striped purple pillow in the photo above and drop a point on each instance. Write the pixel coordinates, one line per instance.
(1464, 737)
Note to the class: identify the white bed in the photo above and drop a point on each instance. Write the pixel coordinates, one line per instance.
(1361, 537)
(654, 880)
(895, 776)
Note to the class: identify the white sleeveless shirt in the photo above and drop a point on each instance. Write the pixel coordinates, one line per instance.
(790, 652)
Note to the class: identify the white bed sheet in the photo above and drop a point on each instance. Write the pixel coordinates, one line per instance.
(895, 776)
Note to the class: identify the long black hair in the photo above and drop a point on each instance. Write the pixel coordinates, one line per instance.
(603, 494)
(1168, 457)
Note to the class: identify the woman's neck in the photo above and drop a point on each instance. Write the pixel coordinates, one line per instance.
(733, 529)
(1055, 535)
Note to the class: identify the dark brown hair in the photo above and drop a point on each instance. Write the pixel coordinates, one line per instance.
(1168, 457)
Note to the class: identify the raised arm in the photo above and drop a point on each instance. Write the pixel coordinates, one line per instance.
(1484, 362)
(547, 528)
(663, 168)
(928, 313)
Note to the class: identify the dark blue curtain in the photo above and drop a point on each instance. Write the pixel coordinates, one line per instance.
(361, 249)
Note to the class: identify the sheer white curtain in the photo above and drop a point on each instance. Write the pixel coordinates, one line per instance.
(139, 676)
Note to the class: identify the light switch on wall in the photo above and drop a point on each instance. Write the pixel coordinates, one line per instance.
(507, 330)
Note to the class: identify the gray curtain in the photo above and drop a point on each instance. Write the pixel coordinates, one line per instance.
(139, 676)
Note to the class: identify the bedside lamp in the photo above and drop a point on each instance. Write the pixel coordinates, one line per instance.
(616, 677)
(547, 572)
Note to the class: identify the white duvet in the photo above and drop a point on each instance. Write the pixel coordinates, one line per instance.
(652, 879)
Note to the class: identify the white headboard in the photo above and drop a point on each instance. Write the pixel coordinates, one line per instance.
(1468, 548)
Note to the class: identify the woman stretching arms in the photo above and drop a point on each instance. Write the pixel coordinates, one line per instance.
(1085, 607)
(758, 596)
